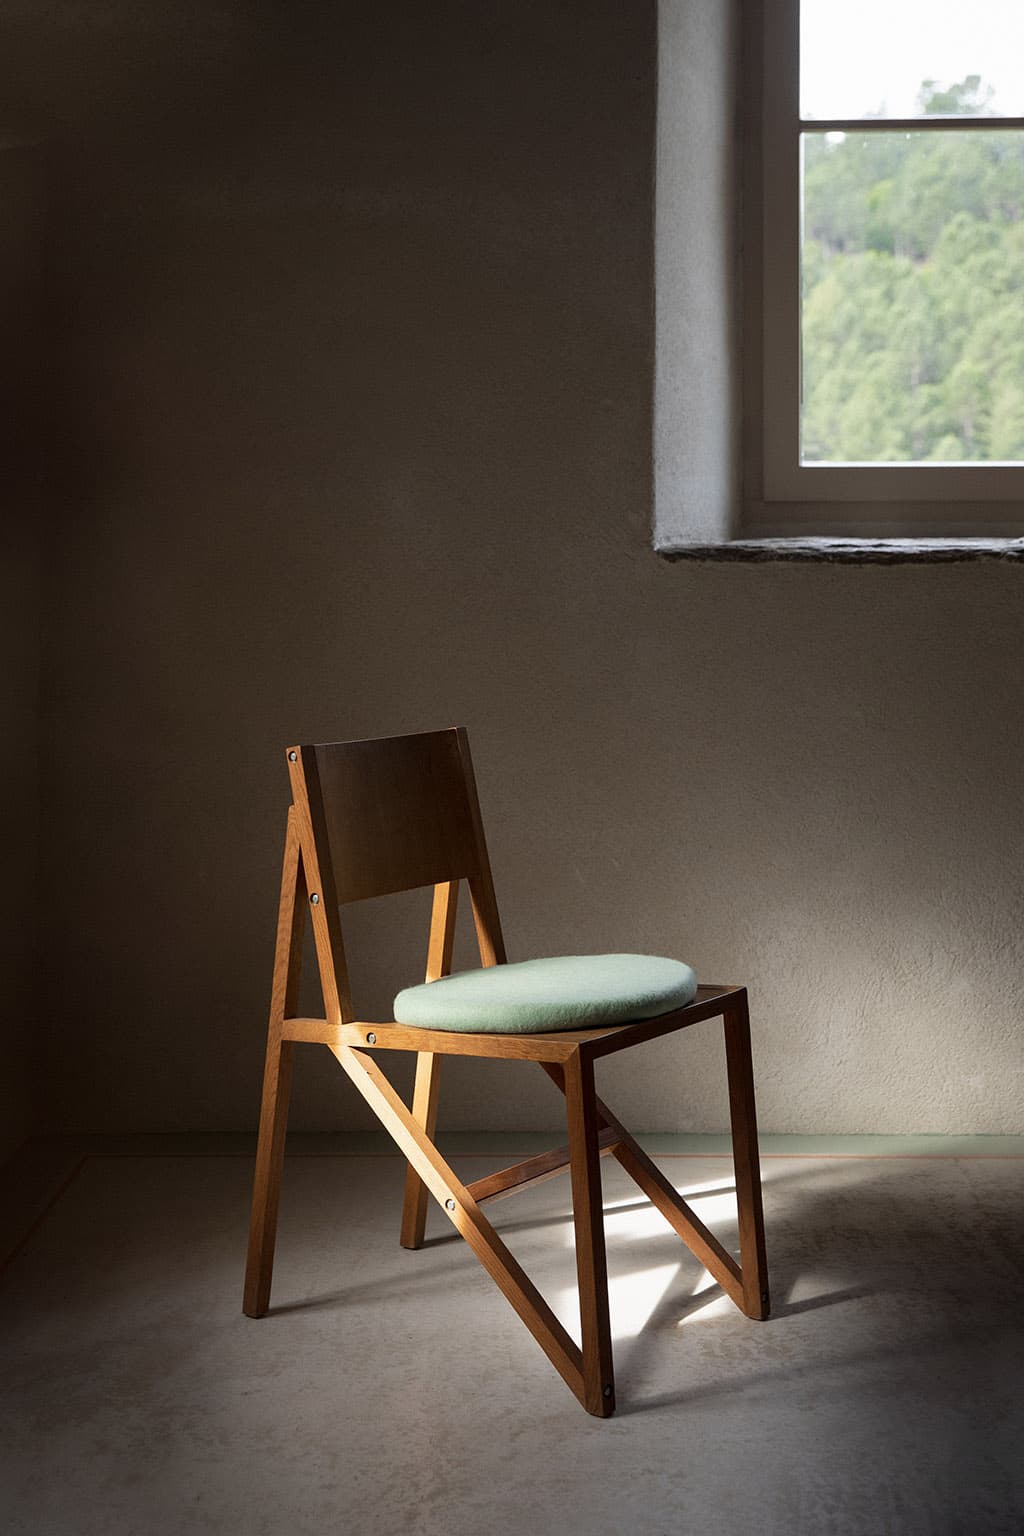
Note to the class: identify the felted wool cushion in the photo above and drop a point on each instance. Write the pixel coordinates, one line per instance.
(568, 992)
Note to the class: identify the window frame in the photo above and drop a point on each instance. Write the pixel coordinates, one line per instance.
(785, 498)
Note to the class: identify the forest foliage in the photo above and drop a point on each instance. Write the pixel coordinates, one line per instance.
(913, 291)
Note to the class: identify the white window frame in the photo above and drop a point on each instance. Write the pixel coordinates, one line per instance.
(784, 497)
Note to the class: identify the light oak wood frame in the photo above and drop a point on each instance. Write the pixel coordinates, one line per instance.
(328, 860)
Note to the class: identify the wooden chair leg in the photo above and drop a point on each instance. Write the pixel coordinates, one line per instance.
(746, 1285)
(277, 1077)
(756, 1298)
(277, 1080)
(424, 1109)
(588, 1220)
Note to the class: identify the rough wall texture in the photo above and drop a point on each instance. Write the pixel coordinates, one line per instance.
(359, 342)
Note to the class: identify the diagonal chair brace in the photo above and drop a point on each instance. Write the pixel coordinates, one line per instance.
(465, 1214)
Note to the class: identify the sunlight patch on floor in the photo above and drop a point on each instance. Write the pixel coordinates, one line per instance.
(633, 1298)
(716, 1211)
(715, 1304)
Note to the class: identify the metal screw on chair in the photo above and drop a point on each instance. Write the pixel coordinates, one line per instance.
(607, 1391)
(293, 757)
(449, 1205)
(371, 1039)
(314, 900)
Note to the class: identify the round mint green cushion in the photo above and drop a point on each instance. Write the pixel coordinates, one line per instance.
(568, 992)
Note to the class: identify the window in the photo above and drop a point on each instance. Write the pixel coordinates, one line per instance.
(884, 268)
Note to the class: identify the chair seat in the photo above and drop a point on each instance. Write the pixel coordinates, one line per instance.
(534, 996)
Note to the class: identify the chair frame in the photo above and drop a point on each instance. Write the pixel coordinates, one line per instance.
(309, 884)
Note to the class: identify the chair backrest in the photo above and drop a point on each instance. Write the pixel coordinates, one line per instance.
(396, 812)
(392, 814)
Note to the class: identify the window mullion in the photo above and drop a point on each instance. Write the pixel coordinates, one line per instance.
(908, 124)
(780, 214)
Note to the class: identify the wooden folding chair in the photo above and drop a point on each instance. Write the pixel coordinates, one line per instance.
(373, 817)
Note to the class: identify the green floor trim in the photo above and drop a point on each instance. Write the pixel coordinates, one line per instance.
(842, 1146)
(669, 1144)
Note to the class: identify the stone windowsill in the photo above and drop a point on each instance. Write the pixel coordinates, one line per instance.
(851, 551)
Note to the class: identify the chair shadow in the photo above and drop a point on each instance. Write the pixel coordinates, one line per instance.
(871, 1241)
(532, 1223)
(417, 1285)
(815, 1303)
(949, 1268)
(635, 1358)
(450, 1239)
(538, 1223)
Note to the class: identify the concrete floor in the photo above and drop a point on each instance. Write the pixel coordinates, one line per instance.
(390, 1392)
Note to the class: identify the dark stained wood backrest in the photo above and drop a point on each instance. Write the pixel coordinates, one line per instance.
(397, 812)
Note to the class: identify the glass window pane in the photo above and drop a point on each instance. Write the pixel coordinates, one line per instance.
(912, 342)
(909, 58)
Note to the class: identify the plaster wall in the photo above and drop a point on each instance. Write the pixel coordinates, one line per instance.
(22, 522)
(19, 678)
(359, 343)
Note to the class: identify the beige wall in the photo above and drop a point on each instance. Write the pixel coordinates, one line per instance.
(359, 346)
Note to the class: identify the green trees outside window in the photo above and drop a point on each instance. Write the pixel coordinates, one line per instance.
(913, 291)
